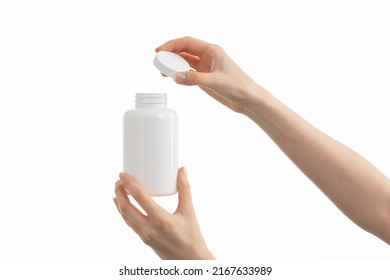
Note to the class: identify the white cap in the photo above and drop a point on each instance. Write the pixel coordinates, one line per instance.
(170, 63)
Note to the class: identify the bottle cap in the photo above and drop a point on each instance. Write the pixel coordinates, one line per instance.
(170, 63)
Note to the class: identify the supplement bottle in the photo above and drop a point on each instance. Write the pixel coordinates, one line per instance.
(150, 151)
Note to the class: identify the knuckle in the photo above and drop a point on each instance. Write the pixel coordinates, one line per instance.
(128, 222)
(192, 78)
(151, 236)
(124, 178)
(146, 240)
(118, 187)
(163, 223)
(216, 48)
(122, 210)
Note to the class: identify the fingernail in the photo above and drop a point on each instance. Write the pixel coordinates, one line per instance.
(122, 175)
(179, 78)
(185, 171)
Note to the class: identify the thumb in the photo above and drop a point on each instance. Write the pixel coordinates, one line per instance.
(191, 78)
(184, 192)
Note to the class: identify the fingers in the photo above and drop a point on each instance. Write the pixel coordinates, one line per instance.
(191, 59)
(127, 210)
(185, 44)
(139, 194)
(128, 221)
(183, 187)
(191, 78)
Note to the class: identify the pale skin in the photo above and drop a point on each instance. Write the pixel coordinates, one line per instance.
(174, 236)
(351, 182)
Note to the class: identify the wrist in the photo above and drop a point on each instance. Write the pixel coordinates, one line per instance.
(257, 98)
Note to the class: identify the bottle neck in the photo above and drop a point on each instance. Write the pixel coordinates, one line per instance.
(150, 100)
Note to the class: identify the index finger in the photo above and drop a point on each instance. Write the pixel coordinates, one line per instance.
(139, 194)
(185, 44)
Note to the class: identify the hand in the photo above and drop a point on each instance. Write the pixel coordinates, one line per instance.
(171, 236)
(216, 73)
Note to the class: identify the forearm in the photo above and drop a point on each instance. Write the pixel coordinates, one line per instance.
(354, 185)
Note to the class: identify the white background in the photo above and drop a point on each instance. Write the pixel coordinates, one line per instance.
(69, 70)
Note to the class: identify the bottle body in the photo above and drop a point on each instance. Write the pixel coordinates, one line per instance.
(151, 144)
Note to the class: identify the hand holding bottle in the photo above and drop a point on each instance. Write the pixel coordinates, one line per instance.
(171, 236)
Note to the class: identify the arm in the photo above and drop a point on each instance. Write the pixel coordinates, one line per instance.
(355, 186)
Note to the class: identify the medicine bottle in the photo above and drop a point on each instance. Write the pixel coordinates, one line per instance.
(150, 152)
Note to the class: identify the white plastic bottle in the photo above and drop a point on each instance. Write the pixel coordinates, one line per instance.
(151, 144)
